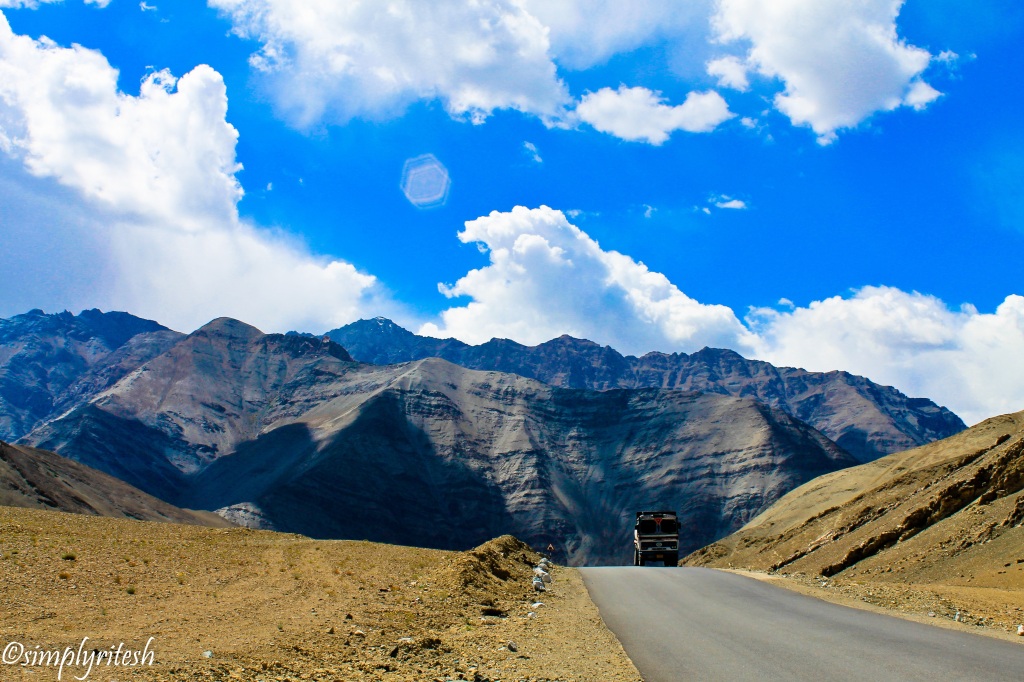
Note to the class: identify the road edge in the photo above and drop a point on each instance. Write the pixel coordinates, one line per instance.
(823, 594)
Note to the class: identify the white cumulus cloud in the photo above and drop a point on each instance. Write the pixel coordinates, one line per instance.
(337, 60)
(971, 362)
(730, 71)
(327, 61)
(840, 61)
(641, 115)
(546, 277)
(67, 119)
(155, 173)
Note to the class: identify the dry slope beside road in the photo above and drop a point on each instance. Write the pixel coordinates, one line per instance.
(935, 531)
(273, 606)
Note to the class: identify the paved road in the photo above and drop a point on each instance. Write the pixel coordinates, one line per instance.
(700, 624)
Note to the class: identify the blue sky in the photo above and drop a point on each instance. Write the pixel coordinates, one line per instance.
(830, 185)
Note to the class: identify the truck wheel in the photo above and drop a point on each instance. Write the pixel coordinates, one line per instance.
(672, 560)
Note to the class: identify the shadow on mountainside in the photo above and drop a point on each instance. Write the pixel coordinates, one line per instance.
(379, 479)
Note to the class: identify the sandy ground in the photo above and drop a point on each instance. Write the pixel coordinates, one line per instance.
(226, 604)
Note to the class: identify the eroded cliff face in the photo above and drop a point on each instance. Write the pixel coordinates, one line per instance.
(52, 363)
(294, 433)
(866, 419)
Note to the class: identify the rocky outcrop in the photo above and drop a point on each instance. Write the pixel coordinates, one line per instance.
(866, 419)
(38, 479)
(290, 432)
(52, 363)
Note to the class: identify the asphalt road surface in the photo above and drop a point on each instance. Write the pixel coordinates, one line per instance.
(700, 624)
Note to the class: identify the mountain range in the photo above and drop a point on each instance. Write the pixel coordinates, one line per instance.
(291, 432)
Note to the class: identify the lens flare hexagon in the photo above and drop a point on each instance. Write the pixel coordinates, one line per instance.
(425, 181)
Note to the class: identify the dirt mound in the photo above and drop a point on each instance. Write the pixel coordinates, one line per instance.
(498, 567)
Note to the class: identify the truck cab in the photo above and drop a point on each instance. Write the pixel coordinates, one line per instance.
(656, 538)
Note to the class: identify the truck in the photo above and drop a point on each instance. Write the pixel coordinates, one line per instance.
(656, 538)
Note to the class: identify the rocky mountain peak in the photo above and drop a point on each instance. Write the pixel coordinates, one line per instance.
(230, 328)
(385, 324)
(381, 326)
(571, 343)
(719, 354)
(298, 346)
(380, 341)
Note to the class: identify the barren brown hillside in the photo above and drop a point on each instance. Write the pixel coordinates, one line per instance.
(258, 605)
(935, 531)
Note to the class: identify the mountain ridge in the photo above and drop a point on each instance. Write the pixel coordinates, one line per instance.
(867, 419)
(50, 364)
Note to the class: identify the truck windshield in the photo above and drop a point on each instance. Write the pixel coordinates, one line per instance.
(647, 526)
